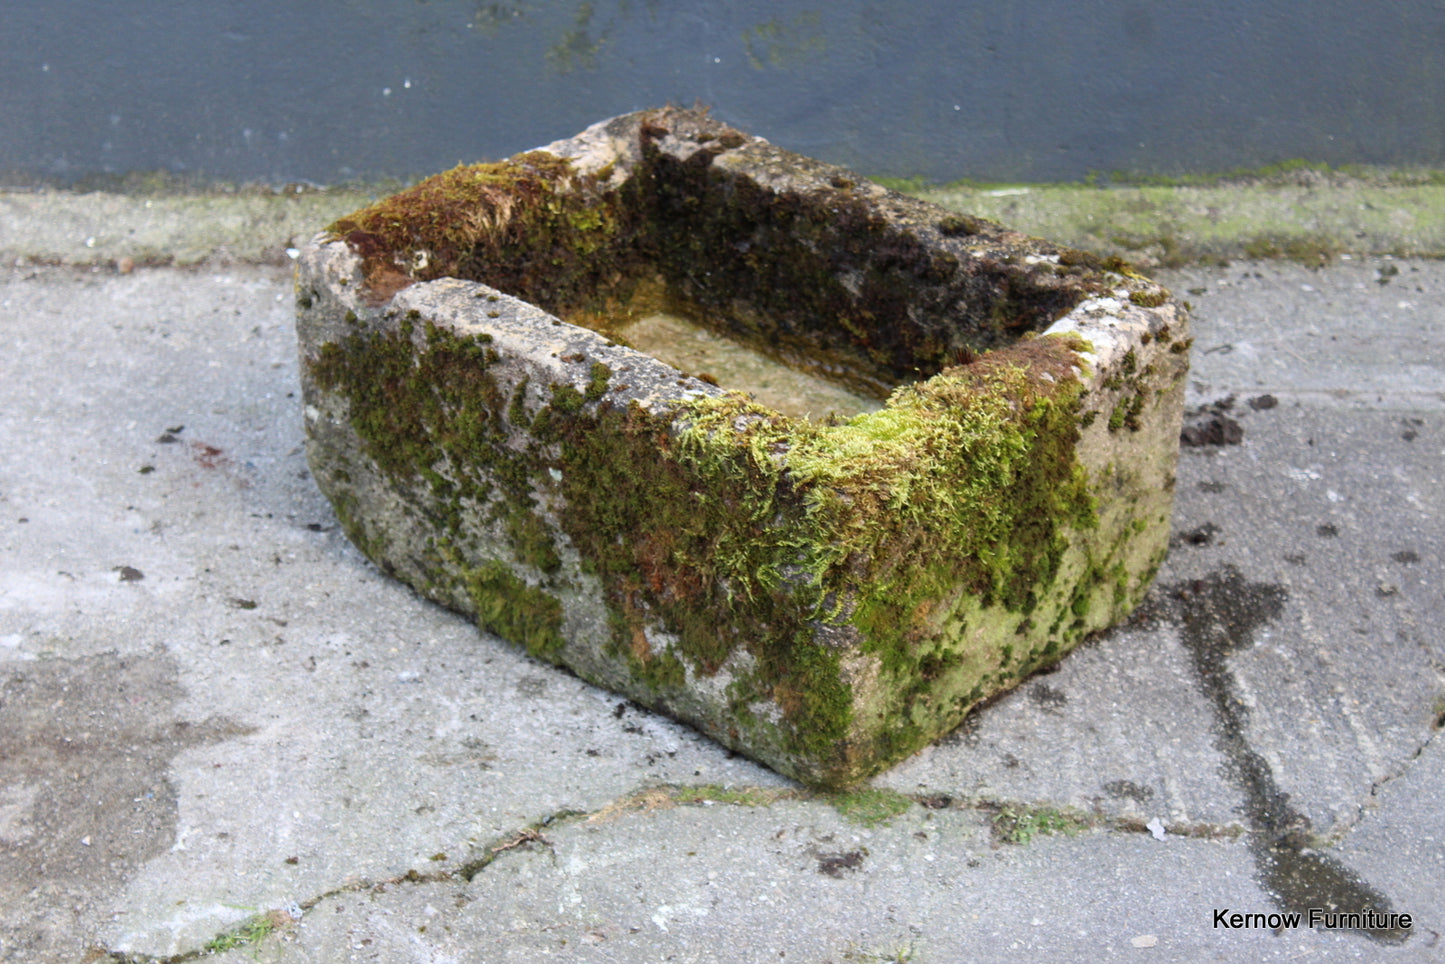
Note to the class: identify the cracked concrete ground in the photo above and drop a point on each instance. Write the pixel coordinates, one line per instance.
(222, 730)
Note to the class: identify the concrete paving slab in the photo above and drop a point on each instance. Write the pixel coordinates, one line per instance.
(1363, 333)
(796, 882)
(1399, 845)
(212, 709)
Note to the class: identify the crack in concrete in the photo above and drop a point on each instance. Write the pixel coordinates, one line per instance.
(644, 800)
(1437, 727)
(264, 924)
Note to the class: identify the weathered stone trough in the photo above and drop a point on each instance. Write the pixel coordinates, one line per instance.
(824, 595)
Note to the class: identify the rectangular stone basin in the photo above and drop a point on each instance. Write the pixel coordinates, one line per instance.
(825, 592)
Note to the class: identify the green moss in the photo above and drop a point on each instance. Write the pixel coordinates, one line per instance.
(870, 806)
(666, 525)
(660, 672)
(531, 540)
(434, 415)
(251, 931)
(597, 386)
(1118, 265)
(1126, 412)
(1310, 250)
(739, 797)
(962, 225)
(1149, 299)
(508, 607)
(896, 536)
(1020, 825)
(567, 400)
(530, 226)
(517, 407)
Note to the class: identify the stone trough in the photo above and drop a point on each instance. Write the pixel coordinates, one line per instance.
(824, 594)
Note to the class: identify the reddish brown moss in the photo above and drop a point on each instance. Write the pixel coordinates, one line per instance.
(530, 226)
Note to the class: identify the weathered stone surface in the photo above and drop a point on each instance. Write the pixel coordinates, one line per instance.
(826, 597)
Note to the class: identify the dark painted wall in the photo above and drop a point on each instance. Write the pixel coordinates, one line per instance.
(1003, 89)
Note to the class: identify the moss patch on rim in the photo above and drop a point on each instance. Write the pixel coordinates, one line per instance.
(531, 225)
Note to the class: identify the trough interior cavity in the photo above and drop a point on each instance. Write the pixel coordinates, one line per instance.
(695, 348)
(809, 275)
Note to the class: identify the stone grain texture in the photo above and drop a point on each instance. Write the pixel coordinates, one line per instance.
(826, 597)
